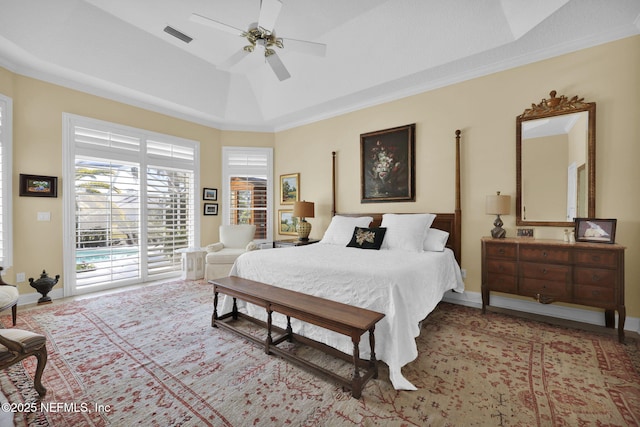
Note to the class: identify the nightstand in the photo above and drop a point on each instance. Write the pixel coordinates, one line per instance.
(293, 242)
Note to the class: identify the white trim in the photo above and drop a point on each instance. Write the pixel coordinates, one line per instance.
(6, 141)
(474, 299)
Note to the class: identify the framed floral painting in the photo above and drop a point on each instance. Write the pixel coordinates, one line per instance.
(387, 164)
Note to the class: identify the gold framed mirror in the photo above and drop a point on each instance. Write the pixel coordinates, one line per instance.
(556, 162)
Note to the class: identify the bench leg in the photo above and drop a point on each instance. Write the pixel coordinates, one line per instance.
(269, 339)
(356, 389)
(289, 330)
(235, 309)
(215, 309)
(373, 363)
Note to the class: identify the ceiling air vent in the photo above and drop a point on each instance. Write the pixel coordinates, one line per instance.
(177, 34)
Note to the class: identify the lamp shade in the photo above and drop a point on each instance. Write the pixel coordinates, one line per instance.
(303, 209)
(498, 205)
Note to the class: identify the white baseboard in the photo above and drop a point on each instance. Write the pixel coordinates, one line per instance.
(33, 297)
(474, 299)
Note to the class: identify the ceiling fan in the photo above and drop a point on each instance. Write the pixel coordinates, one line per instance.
(261, 36)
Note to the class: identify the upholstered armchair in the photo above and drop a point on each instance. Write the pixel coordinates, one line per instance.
(234, 241)
(17, 344)
(9, 298)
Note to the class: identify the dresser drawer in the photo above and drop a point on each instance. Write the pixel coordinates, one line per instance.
(545, 254)
(500, 250)
(501, 267)
(596, 258)
(502, 282)
(594, 295)
(552, 272)
(545, 289)
(595, 277)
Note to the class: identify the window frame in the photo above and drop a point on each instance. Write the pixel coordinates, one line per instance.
(6, 157)
(226, 184)
(145, 160)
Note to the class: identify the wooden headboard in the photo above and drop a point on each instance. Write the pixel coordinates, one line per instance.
(449, 222)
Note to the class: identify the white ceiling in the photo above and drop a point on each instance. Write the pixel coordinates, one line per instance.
(377, 50)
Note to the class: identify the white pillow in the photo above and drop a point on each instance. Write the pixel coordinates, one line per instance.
(341, 229)
(406, 231)
(436, 240)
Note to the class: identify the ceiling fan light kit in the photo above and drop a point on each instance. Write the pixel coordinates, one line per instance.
(261, 34)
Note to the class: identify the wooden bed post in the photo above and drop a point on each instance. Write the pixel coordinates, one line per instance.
(333, 184)
(458, 211)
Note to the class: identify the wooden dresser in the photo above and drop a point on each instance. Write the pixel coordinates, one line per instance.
(590, 274)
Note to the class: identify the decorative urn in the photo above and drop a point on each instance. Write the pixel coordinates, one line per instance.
(43, 285)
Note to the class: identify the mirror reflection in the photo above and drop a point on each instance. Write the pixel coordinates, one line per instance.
(555, 163)
(554, 151)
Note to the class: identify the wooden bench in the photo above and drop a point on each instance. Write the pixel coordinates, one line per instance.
(338, 317)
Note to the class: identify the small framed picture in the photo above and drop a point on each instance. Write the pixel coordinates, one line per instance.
(289, 188)
(525, 232)
(211, 209)
(595, 230)
(288, 222)
(209, 194)
(38, 185)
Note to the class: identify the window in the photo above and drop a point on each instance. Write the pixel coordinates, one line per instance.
(133, 204)
(247, 177)
(6, 140)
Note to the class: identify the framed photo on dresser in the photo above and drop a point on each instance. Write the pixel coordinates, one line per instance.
(595, 230)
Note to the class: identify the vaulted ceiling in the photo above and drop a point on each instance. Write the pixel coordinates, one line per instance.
(377, 50)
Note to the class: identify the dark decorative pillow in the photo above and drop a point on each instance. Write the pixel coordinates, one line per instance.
(367, 238)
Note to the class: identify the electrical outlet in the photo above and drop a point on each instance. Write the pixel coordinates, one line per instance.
(20, 277)
(464, 273)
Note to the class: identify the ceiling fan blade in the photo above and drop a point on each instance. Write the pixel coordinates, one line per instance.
(269, 11)
(302, 46)
(215, 24)
(278, 67)
(233, 60)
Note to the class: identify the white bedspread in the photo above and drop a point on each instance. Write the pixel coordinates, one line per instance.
(405, 286)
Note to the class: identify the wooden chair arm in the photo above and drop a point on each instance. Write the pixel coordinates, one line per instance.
(11, 344)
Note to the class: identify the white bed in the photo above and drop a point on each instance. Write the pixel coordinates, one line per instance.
(418, 262)
(404, 285)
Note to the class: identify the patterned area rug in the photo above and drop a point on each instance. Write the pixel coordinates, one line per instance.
(149, 356)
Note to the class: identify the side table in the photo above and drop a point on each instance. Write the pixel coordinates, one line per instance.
(192, 263)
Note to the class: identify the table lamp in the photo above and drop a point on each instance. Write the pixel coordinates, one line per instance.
(498, 205)
(303, 210)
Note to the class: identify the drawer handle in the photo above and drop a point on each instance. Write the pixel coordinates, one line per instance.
(595, 278)
(595, 258)
(501, 251)
(544, 271)
(544, 254)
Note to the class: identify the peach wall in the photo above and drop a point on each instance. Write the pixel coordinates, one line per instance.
(485, 109)
(37, 134)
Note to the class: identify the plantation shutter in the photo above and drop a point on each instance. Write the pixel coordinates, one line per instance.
(6, 233)
(247, 176)
(107, 221)
(135, 203)
(170, 204)
(107, 201)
